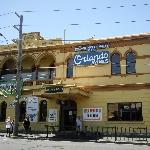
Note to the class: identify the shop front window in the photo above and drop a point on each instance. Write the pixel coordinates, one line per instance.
(131, 111)
(43, 111)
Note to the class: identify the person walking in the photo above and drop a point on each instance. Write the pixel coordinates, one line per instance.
(78, 125)
(8, 126)
(12, 126)
(26, 124)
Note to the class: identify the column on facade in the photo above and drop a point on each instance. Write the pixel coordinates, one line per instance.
(36, 71)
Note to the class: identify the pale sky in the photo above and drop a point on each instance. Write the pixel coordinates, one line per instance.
(99, 18)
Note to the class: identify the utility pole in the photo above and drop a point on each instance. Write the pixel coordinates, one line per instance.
(18, 76)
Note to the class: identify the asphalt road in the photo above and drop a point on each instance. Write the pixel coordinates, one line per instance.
(34, 144)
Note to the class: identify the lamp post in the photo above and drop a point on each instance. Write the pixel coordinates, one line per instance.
(74, 24)
(18, 76)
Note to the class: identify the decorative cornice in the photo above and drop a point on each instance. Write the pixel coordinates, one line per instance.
(58, 45)
(118, 87)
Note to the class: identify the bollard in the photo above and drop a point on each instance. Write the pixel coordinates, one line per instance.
(102, 132)
(129, 133)
(86, 128)
(140, 134)
(46, 131)
(115, 133)
(97, 130)
(132, 133)
(121, 133)
(125, 130)
(146, 133)
(107, 132)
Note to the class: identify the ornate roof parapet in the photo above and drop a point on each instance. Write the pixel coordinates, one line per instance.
(34, 39)
(31, 40)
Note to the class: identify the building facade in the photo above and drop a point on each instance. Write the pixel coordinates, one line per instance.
(105, 81)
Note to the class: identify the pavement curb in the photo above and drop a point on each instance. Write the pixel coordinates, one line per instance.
(124, 142)
(55, 138)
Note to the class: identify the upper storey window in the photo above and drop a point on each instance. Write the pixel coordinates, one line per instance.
(70, 68)
(130, 63)
(115, 64)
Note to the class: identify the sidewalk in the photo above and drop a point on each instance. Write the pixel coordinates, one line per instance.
(122, 140)
(27, 136)
(52, 137)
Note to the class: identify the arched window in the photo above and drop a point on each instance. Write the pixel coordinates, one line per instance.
(130, 63)
(3, 111)
(22, 111)
(70, 68)
(52, 71)
(115, 64)
(43, 110)
(8, 71)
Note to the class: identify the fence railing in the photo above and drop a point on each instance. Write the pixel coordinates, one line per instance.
(118, 133)
(113, 133)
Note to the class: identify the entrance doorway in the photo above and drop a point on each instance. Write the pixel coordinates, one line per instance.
(68, 113)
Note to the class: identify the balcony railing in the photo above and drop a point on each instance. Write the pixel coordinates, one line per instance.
(45, 75)
(28, 76)
(8, 77)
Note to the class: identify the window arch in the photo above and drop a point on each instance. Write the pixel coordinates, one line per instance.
(115, 64)
(52, 71)
(3, 111)
(130, 63)
(22, 111)
(70, 68)
(43, 110)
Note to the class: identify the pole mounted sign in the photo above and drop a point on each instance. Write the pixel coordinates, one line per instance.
(91, 55)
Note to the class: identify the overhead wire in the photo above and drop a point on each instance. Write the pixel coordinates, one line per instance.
(8, 13)
(6, 27)
(77, 9)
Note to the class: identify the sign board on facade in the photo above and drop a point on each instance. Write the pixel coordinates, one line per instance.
(32, 108)
(92, 48)
(52, 115)
(92, 58)
(54, 89)
(92, 114)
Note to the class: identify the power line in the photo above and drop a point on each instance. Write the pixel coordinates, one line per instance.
(6, 14)
(6, 27)
(76, 9)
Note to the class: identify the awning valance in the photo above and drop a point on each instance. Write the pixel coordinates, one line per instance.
(55, 91)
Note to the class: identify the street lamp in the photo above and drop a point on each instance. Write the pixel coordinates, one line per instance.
(74, 24)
